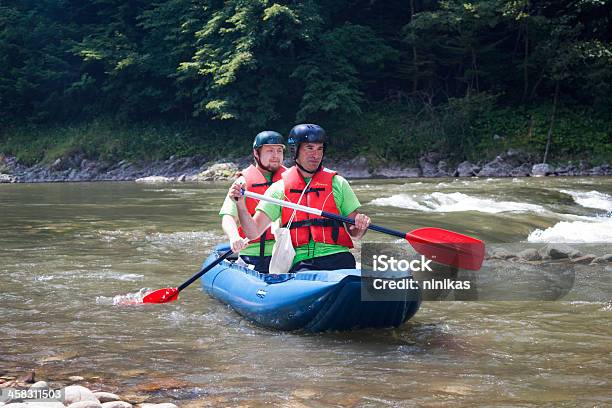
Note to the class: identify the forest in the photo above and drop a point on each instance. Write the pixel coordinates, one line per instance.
(388, 79)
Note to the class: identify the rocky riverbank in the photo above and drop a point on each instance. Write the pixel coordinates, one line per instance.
(194, 169)
(74, 392)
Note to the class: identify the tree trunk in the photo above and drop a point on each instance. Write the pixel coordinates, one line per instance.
(415, 77)
(552, 122)
(525, 63)
(475, 69)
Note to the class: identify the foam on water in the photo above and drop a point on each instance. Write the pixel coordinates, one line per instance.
(593, 229)
(454, 202)
(591, 199)
(134, 298)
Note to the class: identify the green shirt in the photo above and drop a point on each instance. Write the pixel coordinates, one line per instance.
(229, 208)
(346, 202)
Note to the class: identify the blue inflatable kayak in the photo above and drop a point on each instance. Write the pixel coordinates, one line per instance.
(312, 300)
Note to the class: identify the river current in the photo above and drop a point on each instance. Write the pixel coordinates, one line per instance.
(67, 249)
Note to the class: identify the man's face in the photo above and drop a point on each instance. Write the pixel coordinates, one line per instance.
(310, 156)
(270, 156)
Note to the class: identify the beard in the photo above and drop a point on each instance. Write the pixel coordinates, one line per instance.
(273, 167)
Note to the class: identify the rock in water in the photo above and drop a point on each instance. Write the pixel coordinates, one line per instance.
(467, 169)
(116, 404)
(77, 393)
(541, 169)
(558, 251)
(529, 254)
(106, 396)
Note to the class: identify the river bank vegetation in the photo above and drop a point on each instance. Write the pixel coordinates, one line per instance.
(390, 80)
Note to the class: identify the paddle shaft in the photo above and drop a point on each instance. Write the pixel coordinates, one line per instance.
(204, 270)
(326, 214)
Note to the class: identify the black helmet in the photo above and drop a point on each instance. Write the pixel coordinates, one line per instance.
(306, 133)
(268, 137)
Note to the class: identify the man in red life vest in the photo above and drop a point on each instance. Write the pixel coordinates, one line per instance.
(319, 243)
(268, 152)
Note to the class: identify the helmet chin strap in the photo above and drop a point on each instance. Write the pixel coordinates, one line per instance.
(308, 171)
(266, 168)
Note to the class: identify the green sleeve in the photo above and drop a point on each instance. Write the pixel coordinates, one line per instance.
(229, 205)
(273, 211)
(345, 197)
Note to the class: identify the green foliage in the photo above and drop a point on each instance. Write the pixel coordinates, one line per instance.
(109, 140)
(471, 129)
(459, 70)
(330, 73)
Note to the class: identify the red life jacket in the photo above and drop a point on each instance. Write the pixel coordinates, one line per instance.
(319, 195)
(257, 183)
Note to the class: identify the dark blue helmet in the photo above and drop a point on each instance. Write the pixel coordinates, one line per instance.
(306, 133)
(268, 137)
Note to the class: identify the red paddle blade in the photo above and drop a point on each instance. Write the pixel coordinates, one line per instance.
(448, 247)
(164, 295)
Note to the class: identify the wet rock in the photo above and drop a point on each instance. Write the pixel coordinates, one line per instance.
(155, 179)
(585, 259)
(6, 178)
(567, 170)
(116, 404)
(9, 383)
(466, 169)
(357, 167)
(163, 405)
(396, 172)
(524, 170)
(77, 393)
(40, 384)
(542, 169)
(57, 164)
(443, 169)
(28, 378)
(106, 396)
(219, 171)
(501, 253)
(76, 378)
(85, 404)
(496, 168)
(432, 166)
(603, 170)
(598, 260)
(558, 251)
(607, 257)
(428, 166)
(529, 254)
(135, 398)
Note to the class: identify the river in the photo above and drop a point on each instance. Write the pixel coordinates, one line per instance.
(67, 249)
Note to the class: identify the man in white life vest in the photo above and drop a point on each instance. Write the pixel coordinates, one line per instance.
(268, 153)
(320, 243)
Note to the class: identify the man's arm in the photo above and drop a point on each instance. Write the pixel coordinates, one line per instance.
(237, 243)
(253, 227)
